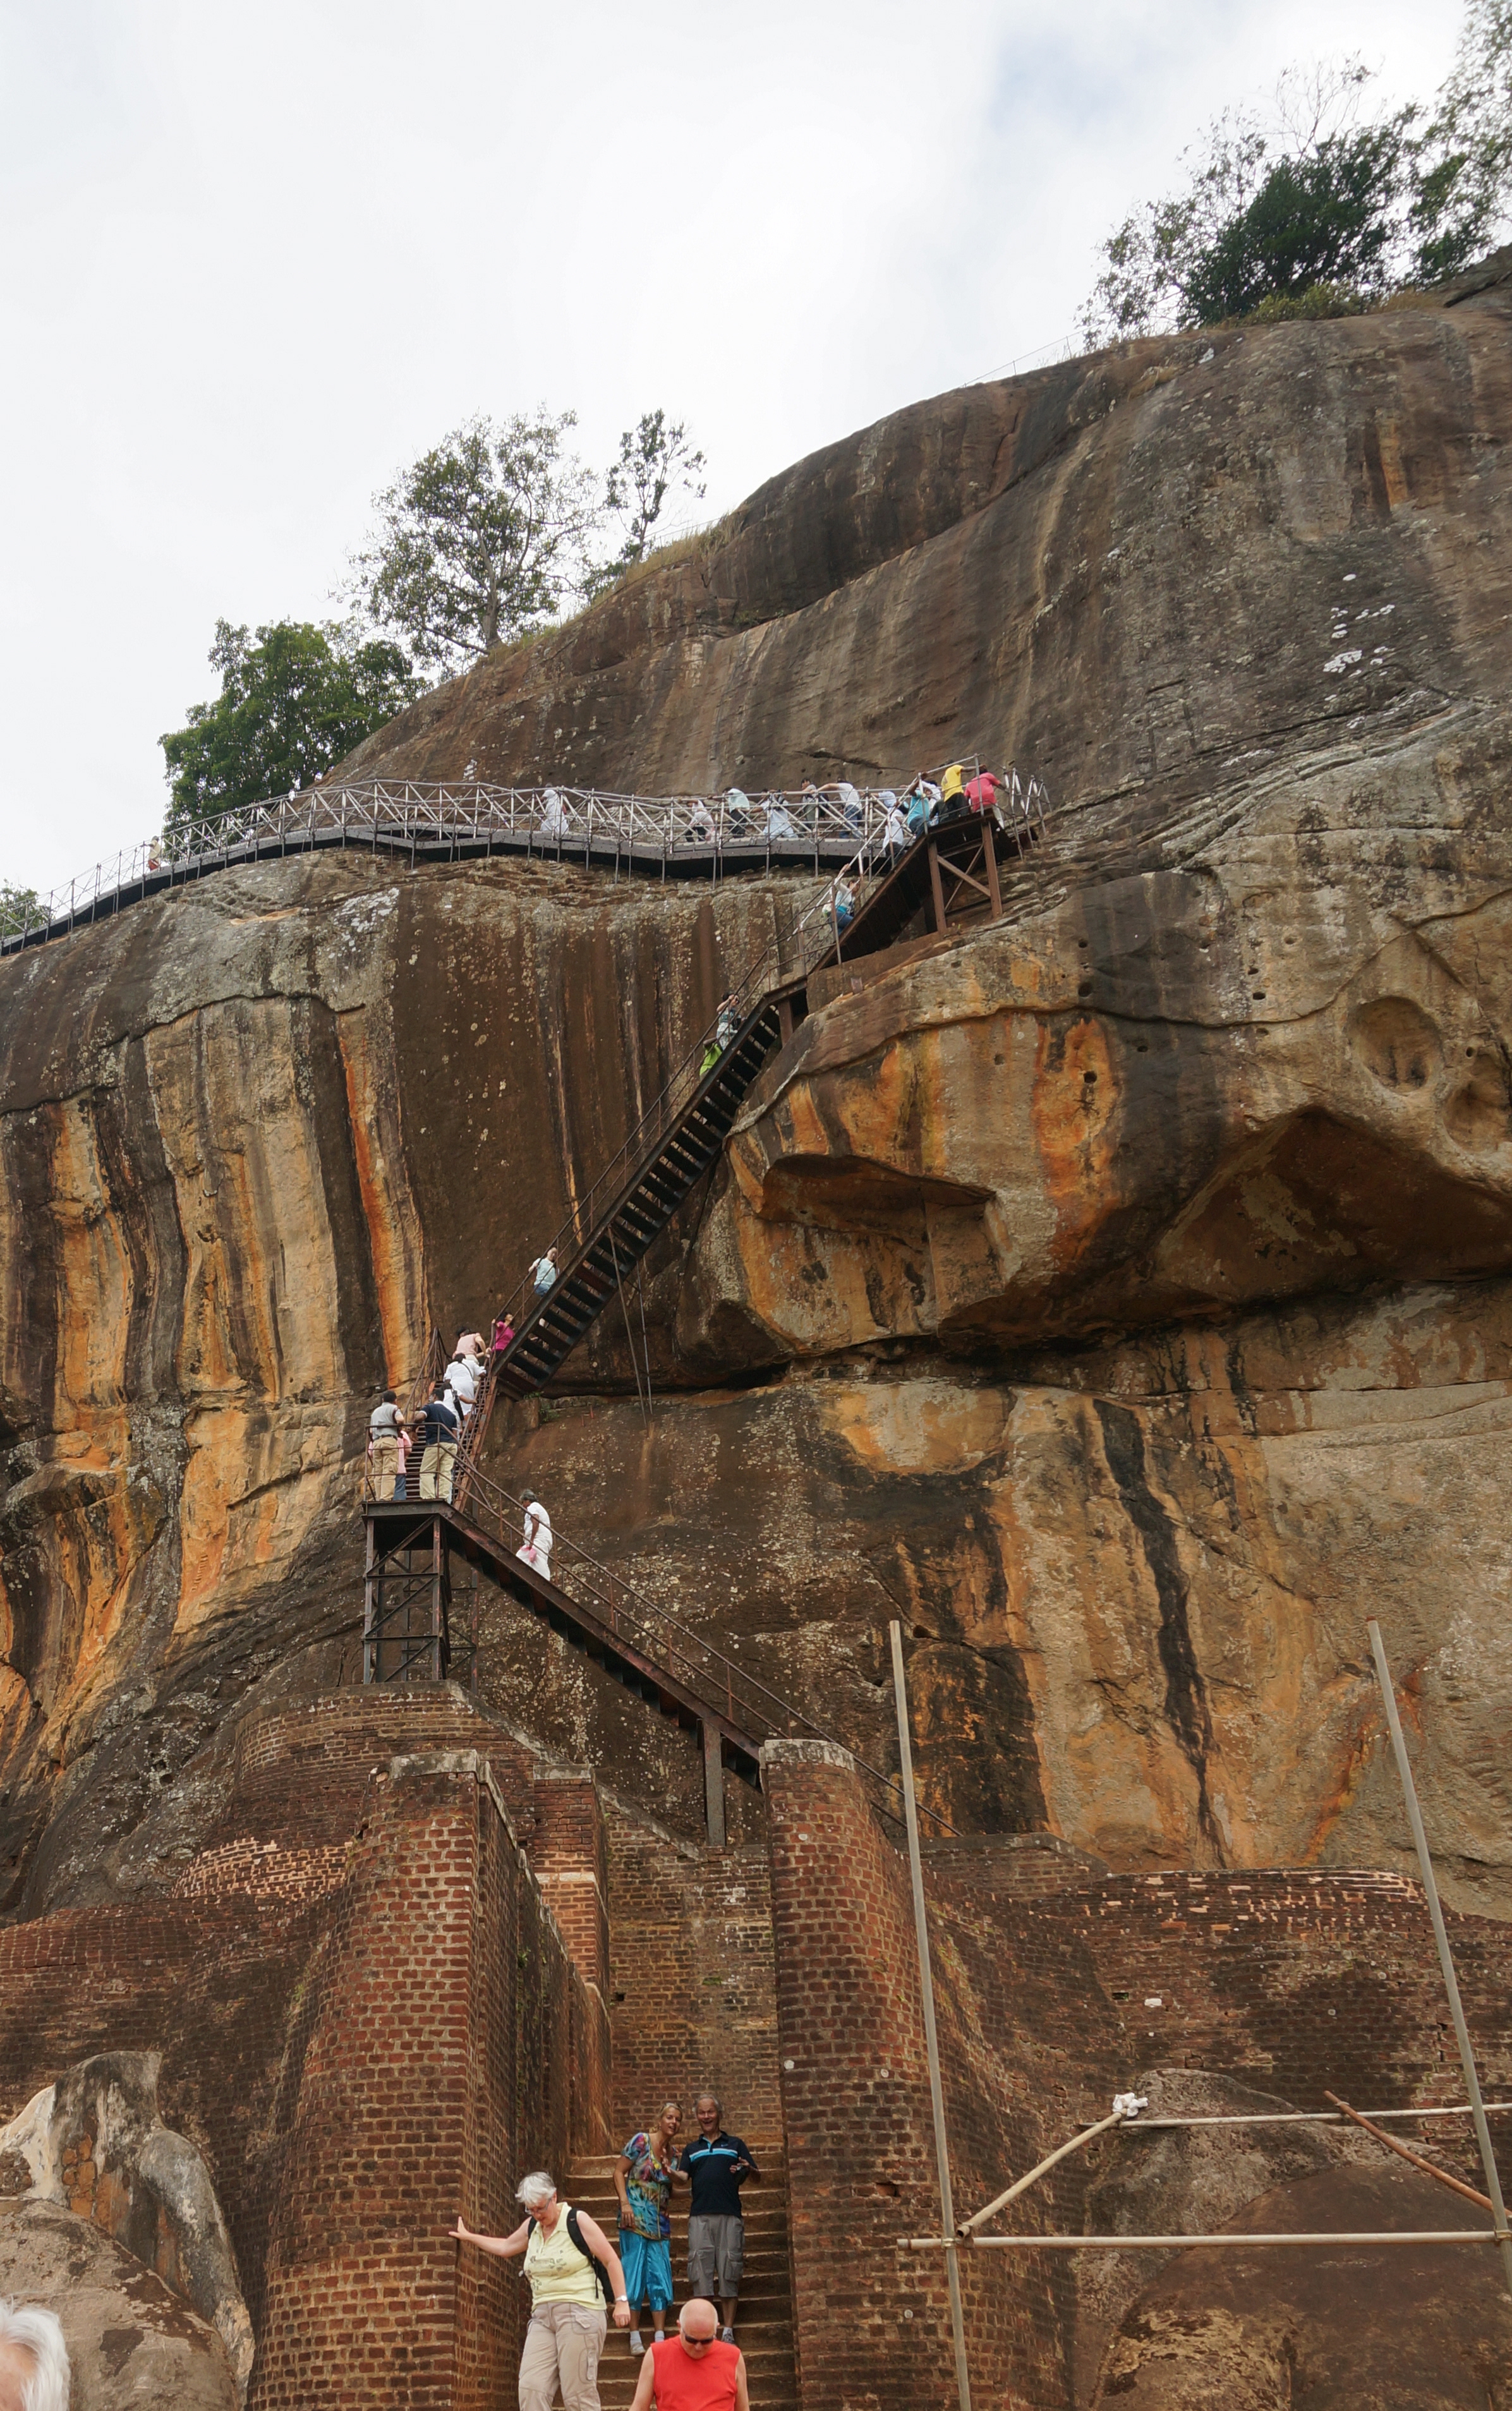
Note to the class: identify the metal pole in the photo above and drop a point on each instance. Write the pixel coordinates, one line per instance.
(932, 2045)
(1445, 1959)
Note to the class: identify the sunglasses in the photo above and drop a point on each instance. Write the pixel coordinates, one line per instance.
(696, 2344)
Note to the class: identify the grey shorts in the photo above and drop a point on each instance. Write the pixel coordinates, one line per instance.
(716, 2253)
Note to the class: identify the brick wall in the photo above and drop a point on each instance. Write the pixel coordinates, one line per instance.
(369, 2018)
(692, 1978)
(569, 1859)
(1290, 1981)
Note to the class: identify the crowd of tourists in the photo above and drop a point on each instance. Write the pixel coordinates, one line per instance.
(736, 818)
(578, 2280)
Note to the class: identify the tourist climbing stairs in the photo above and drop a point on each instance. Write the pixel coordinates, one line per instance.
(763, 2324)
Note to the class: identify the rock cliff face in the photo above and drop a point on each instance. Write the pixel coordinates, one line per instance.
(1119, 1290)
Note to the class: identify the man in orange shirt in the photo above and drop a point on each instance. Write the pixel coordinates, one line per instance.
(692, 2370)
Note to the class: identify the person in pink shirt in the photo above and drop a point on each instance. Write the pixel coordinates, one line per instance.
(981, 791)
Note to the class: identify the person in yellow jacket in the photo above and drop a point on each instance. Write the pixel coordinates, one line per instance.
(952, 796)
(564, 2251)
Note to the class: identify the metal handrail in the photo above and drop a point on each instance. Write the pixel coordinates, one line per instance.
(411, 812)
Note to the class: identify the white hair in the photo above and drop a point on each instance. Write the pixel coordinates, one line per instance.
(37, 2332)
(535, 2190)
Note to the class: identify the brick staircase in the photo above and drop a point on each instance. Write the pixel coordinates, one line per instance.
(764, 2323)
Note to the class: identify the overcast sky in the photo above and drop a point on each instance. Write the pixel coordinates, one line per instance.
(258, 257)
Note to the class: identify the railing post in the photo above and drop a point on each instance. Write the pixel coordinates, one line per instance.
(370, 1604)
(713, 1783)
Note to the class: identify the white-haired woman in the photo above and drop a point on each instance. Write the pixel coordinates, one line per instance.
(34, 2358)
(566, 2336)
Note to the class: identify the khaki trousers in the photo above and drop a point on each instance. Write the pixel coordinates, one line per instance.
(385, 1466)
(436, 1469)
(563, 2342)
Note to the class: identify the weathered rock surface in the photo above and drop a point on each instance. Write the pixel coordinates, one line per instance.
(133, 2344)
(94, 2142)
(1383, 2330)
(1119, 1290)
(1139, 572)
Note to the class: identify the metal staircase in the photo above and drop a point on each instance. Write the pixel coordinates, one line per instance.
(672, 1159)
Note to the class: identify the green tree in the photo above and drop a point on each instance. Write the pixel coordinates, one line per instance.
(1324, 217)
(654, 458)
(18, 905)
(294, 699)
(1311, 211)
(1464, 166)
(478, 541)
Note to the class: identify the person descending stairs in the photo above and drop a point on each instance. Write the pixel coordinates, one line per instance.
(764, 2326)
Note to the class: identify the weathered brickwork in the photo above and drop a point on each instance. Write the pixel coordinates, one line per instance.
(370, 2020)
(693, 2003)
(1291, 1982)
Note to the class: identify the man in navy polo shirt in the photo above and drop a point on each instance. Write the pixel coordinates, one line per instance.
(717, 2165)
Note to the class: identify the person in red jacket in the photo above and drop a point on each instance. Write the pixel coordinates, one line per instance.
(692, 2370)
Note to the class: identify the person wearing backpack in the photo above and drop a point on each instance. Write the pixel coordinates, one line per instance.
(574, 2272)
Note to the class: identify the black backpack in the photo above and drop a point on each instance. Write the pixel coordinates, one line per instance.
(594, 2262)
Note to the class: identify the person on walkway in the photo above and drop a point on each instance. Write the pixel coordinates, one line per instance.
(736, 814)
(716, 2165)
(385, 1424)
(643, 2181)
(981, 791)
(842, 906)
(850, 806)
(778, 819)
(696, 2370)
(537, 1549)
(440, 1431)
(504, 1332)
(564, 2251)
(700, 826)
(952, 791)
(34, 2359)
(554, 820)
(728, 1021)
(897, 837)
(543, 1272)
(406, 1441)
(924, 803)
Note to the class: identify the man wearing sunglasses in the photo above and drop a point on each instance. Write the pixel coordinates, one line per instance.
(692, 2370)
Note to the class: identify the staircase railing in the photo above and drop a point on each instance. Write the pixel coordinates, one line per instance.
(714, 1679)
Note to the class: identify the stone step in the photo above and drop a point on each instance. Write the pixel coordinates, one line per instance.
(763, 2324)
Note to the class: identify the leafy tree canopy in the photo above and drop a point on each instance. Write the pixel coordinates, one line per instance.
(478, 541)
(294, 699)
(654, 457)
(18, 905)
(1310, 210)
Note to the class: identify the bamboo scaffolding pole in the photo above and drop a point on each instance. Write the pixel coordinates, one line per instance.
(1088, 2134)
(1315, 2117)
(1451, 1982)
(926, 1987)
(1185, 2242)
(1430, 2168)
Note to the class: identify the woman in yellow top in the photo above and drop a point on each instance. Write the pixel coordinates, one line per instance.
(565, 2335)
